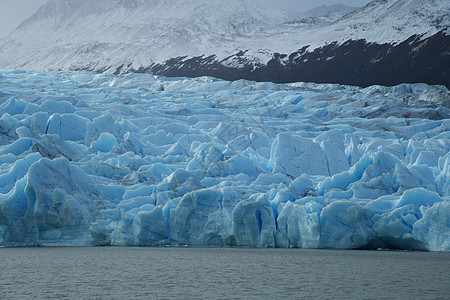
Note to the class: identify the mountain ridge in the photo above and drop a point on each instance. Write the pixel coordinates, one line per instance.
(117, 36)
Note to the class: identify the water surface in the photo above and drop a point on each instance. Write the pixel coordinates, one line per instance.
(221, 273)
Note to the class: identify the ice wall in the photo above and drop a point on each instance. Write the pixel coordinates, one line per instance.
(90, 159)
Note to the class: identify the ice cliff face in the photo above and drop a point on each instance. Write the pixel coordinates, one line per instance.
(232, 40)
(90, 159)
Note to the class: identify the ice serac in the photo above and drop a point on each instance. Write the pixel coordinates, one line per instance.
(206, 162)
(254, 222)
(294, 156)
(51, 205)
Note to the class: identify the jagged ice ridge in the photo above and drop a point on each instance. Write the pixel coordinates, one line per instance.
(141, 160)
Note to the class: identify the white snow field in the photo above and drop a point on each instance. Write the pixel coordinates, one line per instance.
(139, 160)
(107, 35)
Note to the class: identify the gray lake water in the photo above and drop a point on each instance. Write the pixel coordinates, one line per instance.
(221, 273)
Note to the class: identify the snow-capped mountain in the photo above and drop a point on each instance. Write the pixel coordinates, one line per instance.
(106, 34)
(232, 39)
(323, 14)
(327, 9)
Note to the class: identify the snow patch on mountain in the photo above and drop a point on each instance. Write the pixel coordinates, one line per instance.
(322, 15)
(105, 35)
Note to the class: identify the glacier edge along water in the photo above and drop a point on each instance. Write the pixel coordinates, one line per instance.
(140, 160)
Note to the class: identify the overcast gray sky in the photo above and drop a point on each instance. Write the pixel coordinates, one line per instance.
(13, 12)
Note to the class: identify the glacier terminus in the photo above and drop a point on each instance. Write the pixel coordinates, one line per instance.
(141, 160)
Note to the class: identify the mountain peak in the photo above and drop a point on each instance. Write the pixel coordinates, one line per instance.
(104, 35)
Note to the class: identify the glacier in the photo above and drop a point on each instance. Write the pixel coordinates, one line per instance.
(140, 160)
